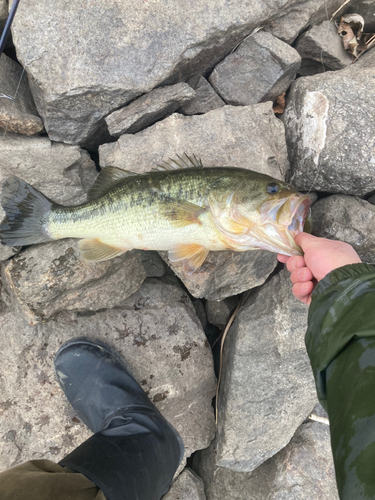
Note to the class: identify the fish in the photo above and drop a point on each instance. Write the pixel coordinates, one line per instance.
(180, 207)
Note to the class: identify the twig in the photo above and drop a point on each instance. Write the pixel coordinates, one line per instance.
(224, 334)
(322, 420)
(338, 10)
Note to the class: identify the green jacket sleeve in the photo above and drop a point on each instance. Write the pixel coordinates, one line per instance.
(340, 342)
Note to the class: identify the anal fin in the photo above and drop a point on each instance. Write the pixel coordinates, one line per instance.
(94, 250)
(191, 255)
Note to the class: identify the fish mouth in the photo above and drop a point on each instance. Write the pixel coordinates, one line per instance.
(283, 220)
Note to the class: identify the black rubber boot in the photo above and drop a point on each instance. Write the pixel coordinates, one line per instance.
(135, 451)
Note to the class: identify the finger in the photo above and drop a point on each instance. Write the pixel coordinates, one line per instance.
(302, 291)
(301, 275)
(306, 239)
(282, 258)
(295, 263)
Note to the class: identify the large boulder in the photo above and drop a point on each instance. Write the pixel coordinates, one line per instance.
(103, 56)
(260, 69)
(157, 332)
(321, 49)
(248, 137)
(301, 471)
(329, 122)
(226, 273)
(294, 17)
(187, 486)
(149, 109)
(46, 279)
(18, 113)
(61, 172)
(267, 388)
(349, 219)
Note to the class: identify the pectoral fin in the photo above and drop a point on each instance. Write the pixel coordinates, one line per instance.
(191, 255)
(94, 250)
(182, 213)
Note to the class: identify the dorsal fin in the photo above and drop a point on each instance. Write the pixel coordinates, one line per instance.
(107, 178)
(184, 161)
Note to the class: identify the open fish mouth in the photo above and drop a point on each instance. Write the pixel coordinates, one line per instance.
(282, 220)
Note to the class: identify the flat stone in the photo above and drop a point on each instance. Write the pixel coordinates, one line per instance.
(206, 99)
(301, 471)
(247, 137)
(219, 312)
(149, 109)
(17, 115)
(347, 219)
(157, 332)
(101, 58)
(267, 388)
(187, 486)
(321, 49)
(226, 273)
(259, 70)
(295, 17)
(329, 122)
(49, 278)
(61, 172)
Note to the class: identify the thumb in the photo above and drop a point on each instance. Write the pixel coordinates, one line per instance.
(307, 241)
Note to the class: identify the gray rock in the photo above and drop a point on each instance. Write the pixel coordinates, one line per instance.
(347, 219)
(226, 273)
(201, 312)
(156, 331)
(219, 312)
(17, 115)
(321, 49)
(267, 387)
(49, 278)
(61, 172)
(248, 137)
(329, 122)
(294, 17)
(3, 13)
(101, 58)
(259, 70)
(153, 264)
(7, 252)
(301, 471)
(187, 486)
(206, 99)
(149, 109)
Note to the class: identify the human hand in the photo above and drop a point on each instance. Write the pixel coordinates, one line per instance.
(321, 256)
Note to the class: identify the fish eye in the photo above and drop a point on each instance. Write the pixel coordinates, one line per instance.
(273, 188)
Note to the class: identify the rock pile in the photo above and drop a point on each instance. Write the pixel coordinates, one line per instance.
(130, 85)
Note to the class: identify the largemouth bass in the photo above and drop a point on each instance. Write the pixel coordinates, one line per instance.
(180, 207)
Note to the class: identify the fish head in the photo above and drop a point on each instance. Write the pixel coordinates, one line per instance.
(265, 213)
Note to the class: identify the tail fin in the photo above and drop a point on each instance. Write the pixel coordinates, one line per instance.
(26, 211)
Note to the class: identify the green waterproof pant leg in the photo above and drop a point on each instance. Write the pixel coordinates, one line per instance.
(350, 382)
(45, 480)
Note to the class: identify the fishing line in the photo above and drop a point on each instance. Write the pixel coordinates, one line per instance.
(13, 99)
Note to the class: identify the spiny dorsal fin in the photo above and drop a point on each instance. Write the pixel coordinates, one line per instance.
(94, 250)
(184, 161)
(106, 179)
